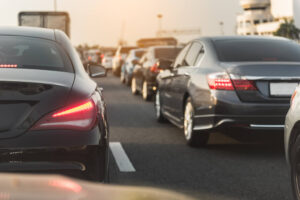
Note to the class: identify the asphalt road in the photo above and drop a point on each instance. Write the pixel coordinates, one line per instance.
(239, 166)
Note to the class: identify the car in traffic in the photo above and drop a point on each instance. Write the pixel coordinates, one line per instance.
(127, 68)
(145, 71)
(53, 115)
(119, 58)
(229, 82)
(107, 61)
(292, 142)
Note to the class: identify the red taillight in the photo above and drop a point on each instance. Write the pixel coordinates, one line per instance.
(155, 68)
(219, 81)
(293, 97)
(81, 116)
(244, 85)
(222, 81)
(8, 66)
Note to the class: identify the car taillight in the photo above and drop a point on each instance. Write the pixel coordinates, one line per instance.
(222, 81)
(81, 116)
(219, 81)
(155, 68)
(293, 97)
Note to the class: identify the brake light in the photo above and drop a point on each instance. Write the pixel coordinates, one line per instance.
(81, 116)
(155, 68)
(8, 66)
(219, 81)
(222, 81)
(293, 97)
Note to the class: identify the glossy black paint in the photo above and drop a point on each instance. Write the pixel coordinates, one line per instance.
(26, 95)
(218, 108)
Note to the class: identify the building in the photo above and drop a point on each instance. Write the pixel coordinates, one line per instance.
(263, 17)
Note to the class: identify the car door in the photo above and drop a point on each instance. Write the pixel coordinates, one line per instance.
(181, 77)
(166, 80)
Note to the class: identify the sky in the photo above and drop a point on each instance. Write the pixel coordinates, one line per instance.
(102, 21)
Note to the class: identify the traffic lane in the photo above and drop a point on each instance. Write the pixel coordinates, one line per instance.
(226, 169)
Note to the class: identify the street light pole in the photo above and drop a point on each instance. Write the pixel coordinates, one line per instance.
(159, 16)
(222, 27)
(55, 5)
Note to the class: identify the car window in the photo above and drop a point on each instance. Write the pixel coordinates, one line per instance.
(180, 56)
(33, 53)
(166, 53)
(257, 50)
(200, 56)
(192, 54)
(139, 54)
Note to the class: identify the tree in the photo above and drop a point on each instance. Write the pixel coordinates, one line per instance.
(288, 30)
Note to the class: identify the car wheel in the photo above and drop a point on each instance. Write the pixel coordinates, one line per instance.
(145, 93)
(193, 138)
(133, 86)
(97, 169)
(157, 104)
(295, 168)
(122, 78)
(127, 81)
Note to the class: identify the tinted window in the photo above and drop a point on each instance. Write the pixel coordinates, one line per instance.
(139, 54)
(126, 50)
(167, 53)
(247, 50)
(33, 53)
(181, 55)
(192, 54)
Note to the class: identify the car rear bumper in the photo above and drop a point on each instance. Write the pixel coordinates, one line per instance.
(228, 110)
(47, 159)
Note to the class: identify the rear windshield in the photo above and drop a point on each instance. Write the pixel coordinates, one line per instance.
(139, 54)
(126, 50)
(167, 53)
(251, 50)
(33, 53)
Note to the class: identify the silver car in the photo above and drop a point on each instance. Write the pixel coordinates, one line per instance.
(292, 141)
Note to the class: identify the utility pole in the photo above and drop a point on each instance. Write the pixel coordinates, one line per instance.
(55, 5)
(159, 29)
(222, 27)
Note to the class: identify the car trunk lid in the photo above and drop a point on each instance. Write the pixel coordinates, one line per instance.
(275, 82)
(28, 94)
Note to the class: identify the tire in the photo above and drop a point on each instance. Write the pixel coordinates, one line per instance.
(157, 105)
(133, 86)
(295, 173)
(127, 81)
(193, 138)
(145, 93)
(122, 78)
(97, 169)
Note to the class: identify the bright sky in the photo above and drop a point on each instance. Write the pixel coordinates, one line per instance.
(100, 21)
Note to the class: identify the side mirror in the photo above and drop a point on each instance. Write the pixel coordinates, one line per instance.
(165, 64)
(96, 71)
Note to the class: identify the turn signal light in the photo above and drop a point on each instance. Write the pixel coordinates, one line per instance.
(81, 116)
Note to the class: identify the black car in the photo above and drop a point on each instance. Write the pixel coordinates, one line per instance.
(223, 82)
(52, 115)
(153, 61)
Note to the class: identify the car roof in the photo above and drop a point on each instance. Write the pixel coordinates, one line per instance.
(35, 32)
(241, 37)
(165, 47)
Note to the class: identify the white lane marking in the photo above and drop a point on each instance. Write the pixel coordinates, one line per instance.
(121, 157)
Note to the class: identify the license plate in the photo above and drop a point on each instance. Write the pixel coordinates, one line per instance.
(282, 89)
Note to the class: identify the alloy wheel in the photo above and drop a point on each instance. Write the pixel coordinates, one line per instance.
(188, 121)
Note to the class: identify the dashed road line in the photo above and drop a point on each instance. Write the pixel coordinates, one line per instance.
(121, 157)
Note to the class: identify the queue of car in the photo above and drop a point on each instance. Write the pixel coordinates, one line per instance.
(225, 83)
